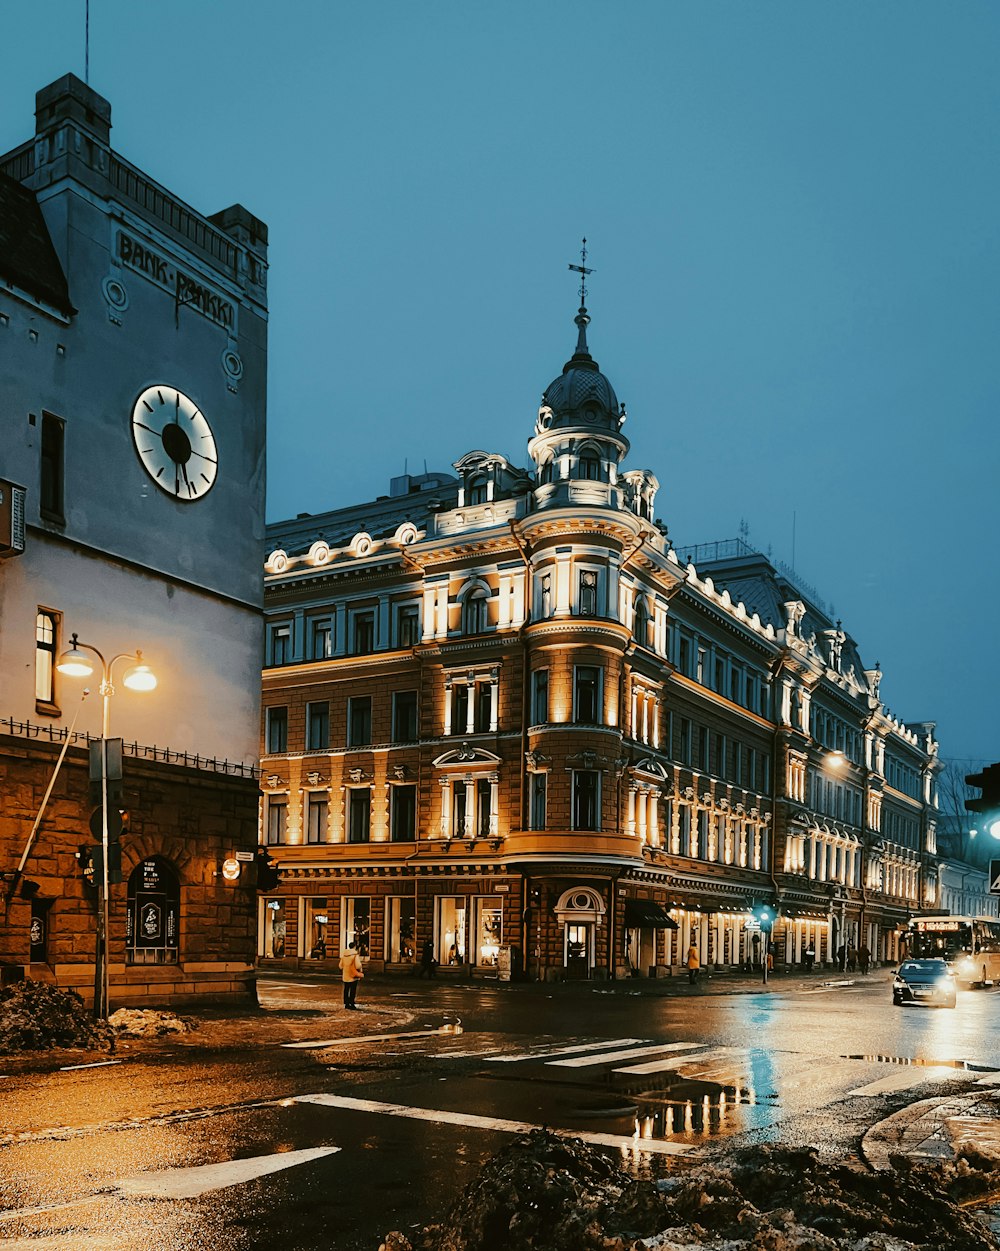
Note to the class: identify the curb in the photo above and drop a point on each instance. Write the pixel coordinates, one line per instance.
(931, 1129)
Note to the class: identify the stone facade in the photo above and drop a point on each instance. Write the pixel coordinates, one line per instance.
(503, 714)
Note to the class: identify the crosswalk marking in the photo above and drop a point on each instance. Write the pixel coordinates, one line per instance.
(565, 1051)
(578, 1062)
(675, 1062)
(348, 1040)
(441, 1116)
(190, 1183)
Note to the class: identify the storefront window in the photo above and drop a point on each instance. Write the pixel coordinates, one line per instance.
(451, 931)
(314, 929)
(489, 932)
(152, 922)
(274, 929)
(399, 929)
(357, 924)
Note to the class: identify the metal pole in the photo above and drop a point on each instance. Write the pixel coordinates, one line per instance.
(102, 1014)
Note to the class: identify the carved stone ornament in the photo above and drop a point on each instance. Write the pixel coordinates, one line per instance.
(273, 780)
(356, 775)
(536, 762)
(465, 752)
(314, 778)
(399, 772)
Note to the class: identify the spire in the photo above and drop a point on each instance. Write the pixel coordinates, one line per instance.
(581, 358)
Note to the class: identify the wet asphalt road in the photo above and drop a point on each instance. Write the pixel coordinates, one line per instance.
(250, 1143)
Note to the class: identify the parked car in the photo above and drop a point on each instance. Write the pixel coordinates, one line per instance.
(924, 981)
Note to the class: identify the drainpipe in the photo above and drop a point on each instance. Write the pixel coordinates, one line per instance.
(523, 770)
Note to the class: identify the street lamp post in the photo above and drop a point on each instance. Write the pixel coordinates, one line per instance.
(75, 664)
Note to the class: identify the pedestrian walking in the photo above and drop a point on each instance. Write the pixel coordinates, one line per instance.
(809, 958)
(852, 958)
(841, 957)
(351, 971)
(864, 958)
(693, 964)
(428, 965)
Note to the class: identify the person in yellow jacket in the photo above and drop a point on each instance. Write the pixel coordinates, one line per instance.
(351, 971)
(693, 964)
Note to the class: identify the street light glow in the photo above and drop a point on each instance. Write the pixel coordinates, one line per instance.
(140, 677)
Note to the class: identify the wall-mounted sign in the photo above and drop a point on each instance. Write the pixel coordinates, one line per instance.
(231, 869)
(187, 291)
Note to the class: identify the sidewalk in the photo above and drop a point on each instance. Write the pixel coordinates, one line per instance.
(934, 1129)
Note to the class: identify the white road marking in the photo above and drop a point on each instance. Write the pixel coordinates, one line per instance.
(441, 1117)
(97, 1064)
(565, 1051)
(580, 1062)
(314, 1043)
(910, 1076)
(290, 985)
(190, 1183)
(675, 1062)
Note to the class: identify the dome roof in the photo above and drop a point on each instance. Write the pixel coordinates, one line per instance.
(581, 393)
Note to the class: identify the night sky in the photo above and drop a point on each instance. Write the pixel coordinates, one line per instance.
(792, 213)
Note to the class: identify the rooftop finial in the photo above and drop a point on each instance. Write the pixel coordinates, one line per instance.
(581, 319)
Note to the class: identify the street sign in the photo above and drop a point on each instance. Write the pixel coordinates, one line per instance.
(995, 877)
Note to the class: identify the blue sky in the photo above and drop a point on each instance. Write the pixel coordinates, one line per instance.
(792, 212)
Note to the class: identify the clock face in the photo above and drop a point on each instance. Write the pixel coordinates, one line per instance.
(175, 442)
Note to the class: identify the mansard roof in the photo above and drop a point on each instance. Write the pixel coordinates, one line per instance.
(28, 259)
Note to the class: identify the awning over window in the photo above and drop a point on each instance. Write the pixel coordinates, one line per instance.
(646, 913)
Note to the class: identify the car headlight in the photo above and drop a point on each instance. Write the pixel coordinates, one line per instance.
(944, 983)
(898, 984)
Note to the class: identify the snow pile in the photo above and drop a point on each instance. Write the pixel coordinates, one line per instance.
(145, 1023)
(549, 1193)
(35, 1016)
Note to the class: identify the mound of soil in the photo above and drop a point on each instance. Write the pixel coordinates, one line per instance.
(549, 1193)
(35, 1016)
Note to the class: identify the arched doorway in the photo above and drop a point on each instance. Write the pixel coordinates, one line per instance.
(152, 923)
(580, 911)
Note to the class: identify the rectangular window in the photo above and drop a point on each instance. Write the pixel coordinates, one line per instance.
(403, 816)
(277, 730)
(315, 919)
(474, 613)
(586, 799)
(407, 625)
(357, 919)
(736, 685)
(538, 784)
(484, 793)
(484, 707)
(363, 632)
(540, 697)
(489, 931)
(684, 746)
(700, 670)
(460, 709)
(404, 717)
(281, 644)
(451, 926)
(51, 503)
(720, 755)
(359, 721)
(317, 817)
(684, 655)
(277, 818)
(320, 638)
(318, 726)
(46, 646)
(588, 593)
(359, 807)
(701, 749)
(720, 674)
(586, 694)
(400, 926)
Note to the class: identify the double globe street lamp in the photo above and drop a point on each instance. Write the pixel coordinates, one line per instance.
(138, 677)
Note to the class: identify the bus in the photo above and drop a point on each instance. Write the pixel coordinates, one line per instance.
(970, 945)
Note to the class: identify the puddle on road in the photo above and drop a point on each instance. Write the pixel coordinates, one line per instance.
(964, 1065)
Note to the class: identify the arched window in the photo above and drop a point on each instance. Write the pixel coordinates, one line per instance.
(474, 612)
(641, 627)
(545, 473)
(476, 493)
(152, 924)
(590, 466)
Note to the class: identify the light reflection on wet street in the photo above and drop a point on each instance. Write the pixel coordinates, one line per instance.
(90, 1157)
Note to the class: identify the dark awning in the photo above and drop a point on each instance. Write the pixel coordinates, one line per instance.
(644, 912)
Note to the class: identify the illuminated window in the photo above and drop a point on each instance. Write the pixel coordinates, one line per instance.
(359, 807)
(586, 799)
(318, 726)
(356, 913)
(46, 643)
(399, 929)
(321, 638)
(277, 730)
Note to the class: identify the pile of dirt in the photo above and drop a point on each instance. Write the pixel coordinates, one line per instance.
(549, 1193)
(35, 1016)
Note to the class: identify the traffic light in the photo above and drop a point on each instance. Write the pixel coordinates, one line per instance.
(91, 863)
(765, 915)
(988, 803)
(267, 873)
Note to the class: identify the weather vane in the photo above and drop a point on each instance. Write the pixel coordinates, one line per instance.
(583, 271)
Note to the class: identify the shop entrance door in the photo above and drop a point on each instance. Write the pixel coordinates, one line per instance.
(579, 941)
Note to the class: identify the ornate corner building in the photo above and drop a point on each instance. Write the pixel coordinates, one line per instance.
(133, 370)
(503, 715)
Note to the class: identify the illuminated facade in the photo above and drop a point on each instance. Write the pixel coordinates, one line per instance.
(133, 371)
(503, 714)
